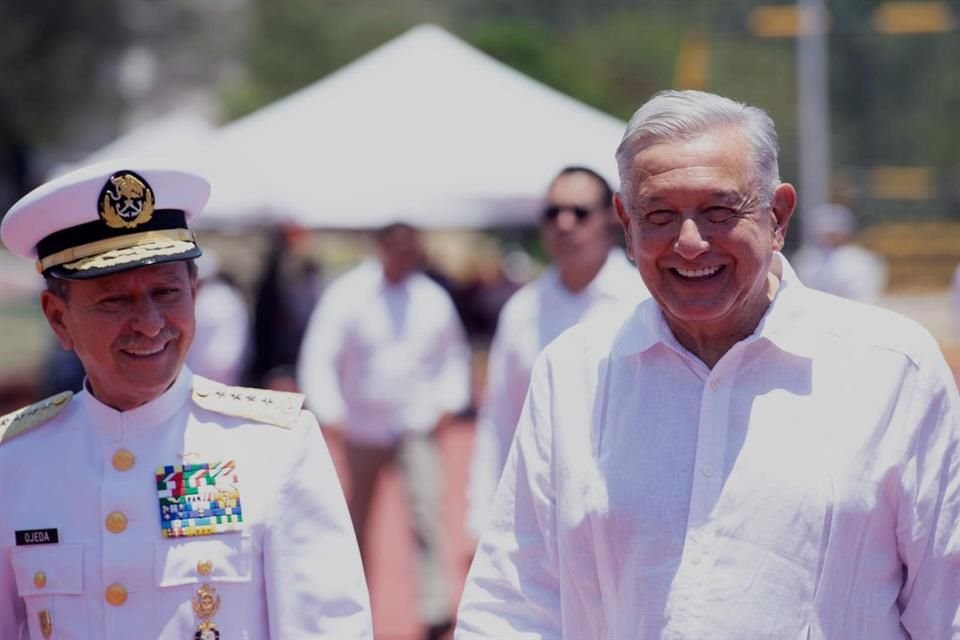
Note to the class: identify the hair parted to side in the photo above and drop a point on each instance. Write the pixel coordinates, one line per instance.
(606, 192)
(681, 115)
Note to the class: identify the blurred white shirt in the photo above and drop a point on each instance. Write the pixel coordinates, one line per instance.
(808, 486)
(384, 359)
(531, 319)
(848, 271)
(222, 342)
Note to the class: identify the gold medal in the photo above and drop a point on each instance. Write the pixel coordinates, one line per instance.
(205, 605)
(46, 623)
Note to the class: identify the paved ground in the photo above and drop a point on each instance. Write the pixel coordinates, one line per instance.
(392, 579)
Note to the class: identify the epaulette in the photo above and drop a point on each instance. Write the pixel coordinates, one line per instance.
(30, 417)
(279, 408)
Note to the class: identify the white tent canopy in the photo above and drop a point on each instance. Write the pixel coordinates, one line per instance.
(424, 129)
(164, 136)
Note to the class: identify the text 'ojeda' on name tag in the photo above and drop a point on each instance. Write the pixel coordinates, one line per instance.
(37, 536)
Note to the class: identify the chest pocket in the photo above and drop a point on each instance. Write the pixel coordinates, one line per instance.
(50, 581)
(222, 558)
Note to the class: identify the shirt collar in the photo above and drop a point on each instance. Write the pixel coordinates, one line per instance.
(788, 311)
(126, 424)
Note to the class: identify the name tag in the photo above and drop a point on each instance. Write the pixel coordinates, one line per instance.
(37, 536)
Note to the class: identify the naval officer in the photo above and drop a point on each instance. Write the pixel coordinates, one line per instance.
(156, 503)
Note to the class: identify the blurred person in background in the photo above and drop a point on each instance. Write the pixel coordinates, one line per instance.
(179, 507)
(742, 456)
(832, 262)
(385, 362)
(588, 278)
(221, 344)
(284, 297)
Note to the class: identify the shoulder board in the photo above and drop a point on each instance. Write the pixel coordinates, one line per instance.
(279, 408)
(28, 418)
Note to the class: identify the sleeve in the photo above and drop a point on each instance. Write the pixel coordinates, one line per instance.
(506, 385)
(513, 587)
(928, 527)
(314, 577)
(453, 381)
(320, 354)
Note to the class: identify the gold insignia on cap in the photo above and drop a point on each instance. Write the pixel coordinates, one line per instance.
(126, 201)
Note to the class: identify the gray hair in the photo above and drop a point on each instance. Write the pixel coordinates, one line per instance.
(682, 115)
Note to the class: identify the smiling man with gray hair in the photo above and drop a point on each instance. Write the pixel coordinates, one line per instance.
(741, 458)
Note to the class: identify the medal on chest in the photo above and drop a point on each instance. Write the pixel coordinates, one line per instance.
(199, 499)
(206, 603)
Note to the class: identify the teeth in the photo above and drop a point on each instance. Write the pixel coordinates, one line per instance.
(698, 273)
(142, 352)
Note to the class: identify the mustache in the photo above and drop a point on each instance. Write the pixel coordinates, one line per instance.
(138, 343)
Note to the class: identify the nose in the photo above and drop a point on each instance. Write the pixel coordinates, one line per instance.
(566, 220)
(147, 319)
(690, 242)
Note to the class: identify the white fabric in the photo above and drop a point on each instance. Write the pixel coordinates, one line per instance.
(531, 319)
(849, 271)
(384, 359)
(805, 487)
(222, 340)
(293, 572)
(470, 142)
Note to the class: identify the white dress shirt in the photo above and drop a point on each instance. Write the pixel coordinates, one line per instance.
(222, 340)
(806, 487)
(384, 359)
(293, 569)
(531, 319)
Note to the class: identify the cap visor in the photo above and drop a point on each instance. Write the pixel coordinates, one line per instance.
(118, 260)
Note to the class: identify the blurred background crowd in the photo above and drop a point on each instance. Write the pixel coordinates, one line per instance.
(321, 121)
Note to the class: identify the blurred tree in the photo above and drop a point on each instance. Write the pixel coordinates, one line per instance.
(47, 51)
(296, 42)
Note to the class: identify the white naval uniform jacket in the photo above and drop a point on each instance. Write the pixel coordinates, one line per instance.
(292, 571)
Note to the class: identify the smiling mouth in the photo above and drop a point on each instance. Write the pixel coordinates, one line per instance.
(144, 352)
(698, 274)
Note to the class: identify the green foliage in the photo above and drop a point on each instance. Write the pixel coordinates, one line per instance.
(296, 42)
(49, 52)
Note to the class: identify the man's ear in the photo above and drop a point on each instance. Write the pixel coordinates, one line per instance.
(53, 307)
(782, 207)
(624, 218)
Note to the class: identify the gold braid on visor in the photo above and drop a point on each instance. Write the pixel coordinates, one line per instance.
(111, 244)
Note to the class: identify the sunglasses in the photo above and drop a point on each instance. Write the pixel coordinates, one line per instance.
(552, 211)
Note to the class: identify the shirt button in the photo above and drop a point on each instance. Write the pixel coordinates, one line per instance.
(714, 384)
(123, 460)
(707, 471)
(115, 594)
(204, 567)
(116, 522)
(39, 579)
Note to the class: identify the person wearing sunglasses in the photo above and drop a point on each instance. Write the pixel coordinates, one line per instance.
(589, 277)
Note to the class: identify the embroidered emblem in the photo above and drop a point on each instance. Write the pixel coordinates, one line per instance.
(126, 201)
(199, 499)
(279, 408)
(205, 605)
(46, 623)
(26, 419)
